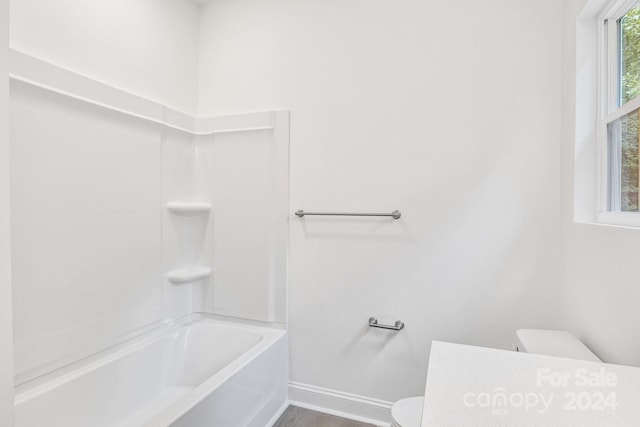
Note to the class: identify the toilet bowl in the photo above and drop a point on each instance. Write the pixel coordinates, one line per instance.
(408, 412)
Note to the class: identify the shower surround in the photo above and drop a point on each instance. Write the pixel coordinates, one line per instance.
(129, 217)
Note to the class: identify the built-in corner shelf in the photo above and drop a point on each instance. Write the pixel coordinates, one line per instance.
(187, 275)
(194, 273)
(188, 208)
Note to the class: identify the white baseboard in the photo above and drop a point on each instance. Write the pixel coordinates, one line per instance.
(346, 405)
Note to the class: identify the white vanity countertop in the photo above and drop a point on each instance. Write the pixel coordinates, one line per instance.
(476, 386)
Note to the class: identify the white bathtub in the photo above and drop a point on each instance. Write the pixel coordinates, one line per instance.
(196, 372)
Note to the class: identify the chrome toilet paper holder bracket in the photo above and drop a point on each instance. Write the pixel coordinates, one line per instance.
(373, 323)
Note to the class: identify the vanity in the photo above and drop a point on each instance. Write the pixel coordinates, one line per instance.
(478, 387)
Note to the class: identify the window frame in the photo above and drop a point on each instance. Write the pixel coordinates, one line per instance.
(609, 95)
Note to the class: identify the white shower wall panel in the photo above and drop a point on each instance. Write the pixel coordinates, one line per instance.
(238, 171)
(97, 174)
(86, 225)
(183, 237)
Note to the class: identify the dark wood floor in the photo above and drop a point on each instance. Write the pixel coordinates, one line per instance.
(300, 417)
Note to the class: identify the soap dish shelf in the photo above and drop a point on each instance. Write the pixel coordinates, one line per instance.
(187, 275)
(188, 208)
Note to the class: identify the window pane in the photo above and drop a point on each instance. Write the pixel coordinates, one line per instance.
(630, 55)
(623, 158)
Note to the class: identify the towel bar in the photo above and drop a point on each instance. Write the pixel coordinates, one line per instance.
(394, 214)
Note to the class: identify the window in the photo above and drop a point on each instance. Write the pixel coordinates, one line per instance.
(620, 109)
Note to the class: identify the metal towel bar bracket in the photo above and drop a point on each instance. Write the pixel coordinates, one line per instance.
(394, 214)
(373, 323)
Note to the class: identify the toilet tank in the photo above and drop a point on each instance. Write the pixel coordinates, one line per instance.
(553, 343)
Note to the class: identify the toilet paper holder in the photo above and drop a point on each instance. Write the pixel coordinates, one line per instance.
(373, 323)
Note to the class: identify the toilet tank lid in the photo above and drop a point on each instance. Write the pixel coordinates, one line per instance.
(553, 343)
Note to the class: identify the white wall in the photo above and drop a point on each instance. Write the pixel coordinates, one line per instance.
(6, 332)
(146, 47)
(601, 266)
(447, 111)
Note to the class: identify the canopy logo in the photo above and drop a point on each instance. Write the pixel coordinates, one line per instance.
(500, 401)
(578, 390)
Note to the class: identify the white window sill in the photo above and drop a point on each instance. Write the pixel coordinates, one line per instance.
(619, 219)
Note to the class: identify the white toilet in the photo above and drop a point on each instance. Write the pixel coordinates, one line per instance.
(552, 343)
(408, 412)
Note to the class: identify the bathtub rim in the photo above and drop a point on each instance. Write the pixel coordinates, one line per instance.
(173, 412)
(269, 334)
